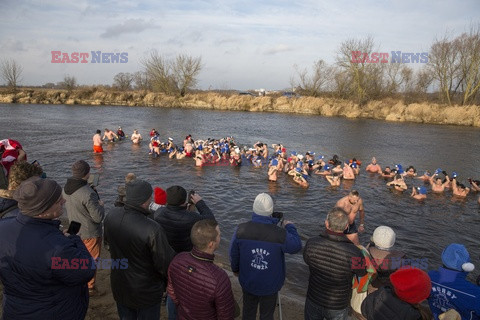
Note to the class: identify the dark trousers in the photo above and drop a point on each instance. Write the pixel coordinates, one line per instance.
(315, 312)
(148, 313)
(251, 302)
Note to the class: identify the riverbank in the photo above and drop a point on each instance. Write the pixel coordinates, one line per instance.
(387, 109)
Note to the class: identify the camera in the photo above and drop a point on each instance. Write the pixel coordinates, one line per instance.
(189, 196)
(279, 216)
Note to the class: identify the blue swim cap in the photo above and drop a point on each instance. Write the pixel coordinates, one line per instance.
(321, 157)
(200, 147)
(400, 171)
(454, 174)
(213, 151)
(422, 190)
(310, 162)
(354, 165)
(274, 162)
(294, 153)
(438, 171)
(327, 167)
(299, 169)
(399, 167)
(300, 163)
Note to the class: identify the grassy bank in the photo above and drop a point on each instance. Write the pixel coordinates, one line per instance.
(387, 109)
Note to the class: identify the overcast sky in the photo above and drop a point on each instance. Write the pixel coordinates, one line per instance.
(243, 44)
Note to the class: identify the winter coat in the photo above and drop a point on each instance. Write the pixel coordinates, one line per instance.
(451, 290)
(257, 253)
(178, 222)
(329, 257)
(133, 236)
(38, 270)
(383, 304)
(200, 289)
(82, 205)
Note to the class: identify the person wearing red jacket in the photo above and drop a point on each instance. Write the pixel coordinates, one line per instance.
(200, 289)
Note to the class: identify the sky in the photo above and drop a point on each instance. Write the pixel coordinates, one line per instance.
(243, 44)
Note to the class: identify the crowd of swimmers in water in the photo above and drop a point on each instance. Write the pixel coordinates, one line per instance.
(300, 166)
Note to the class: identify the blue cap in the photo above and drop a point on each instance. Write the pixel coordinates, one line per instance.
(213, 151)
(400, 171)
(310, 162)
(274, 162)
(200, 147)
(454, 174)
(299, 169)
(279, 151)
(422, 190)
(300, 163)
(293, 153)
(399, 167)
(354, 165)
(327, 167)
(223, 150)
(438, 171)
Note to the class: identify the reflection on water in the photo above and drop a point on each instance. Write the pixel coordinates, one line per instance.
(59, 135)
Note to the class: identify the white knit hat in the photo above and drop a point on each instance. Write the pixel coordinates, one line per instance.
(384, 237)
(263, 205)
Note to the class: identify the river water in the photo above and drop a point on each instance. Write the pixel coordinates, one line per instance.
(58, 135)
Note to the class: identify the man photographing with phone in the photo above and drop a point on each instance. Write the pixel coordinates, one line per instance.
(84, 206)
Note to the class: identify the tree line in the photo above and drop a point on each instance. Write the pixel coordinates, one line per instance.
(451, 75)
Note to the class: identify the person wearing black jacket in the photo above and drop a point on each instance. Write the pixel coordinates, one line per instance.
(329, 257)
(131, 235)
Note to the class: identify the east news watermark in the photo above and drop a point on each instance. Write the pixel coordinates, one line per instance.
(384, 57)
(89, 57)
(77, 264)
(391, 263)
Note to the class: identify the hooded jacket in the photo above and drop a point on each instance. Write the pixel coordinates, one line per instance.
(257, 253)
(41, 270)
(82, 205)
(383, 304)
(133, 236)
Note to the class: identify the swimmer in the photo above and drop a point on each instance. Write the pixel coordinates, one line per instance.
(475, 184)
(411, 172)
(334, 180)
(353, 204)
(425, 177)
(398, 183)
(299, 177)
(348, 173)
(97, 142)
(120, 133)
(188, 144)
(155, 147)
(327, 171)
(388, 173)
(374, 167)
(436, 182)
(154, 132)
(459, 190)
(136, 137)
(199, 157)
(235, 157)
(419, 193)
(109, 135)
(355, 167)
(171, 148)
(272, 170)
(338, 168)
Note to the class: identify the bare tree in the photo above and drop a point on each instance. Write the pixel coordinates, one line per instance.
(173, 77)
(140, 79)
(315, 83)
(468, 46)
(69, 83)
(11, 72)
(123, 81)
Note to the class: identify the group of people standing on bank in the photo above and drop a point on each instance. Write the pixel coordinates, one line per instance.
(172, 249)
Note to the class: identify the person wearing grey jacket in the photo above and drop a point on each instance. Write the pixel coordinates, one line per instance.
(84, 205)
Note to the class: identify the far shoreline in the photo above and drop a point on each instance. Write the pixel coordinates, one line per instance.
(389, 109)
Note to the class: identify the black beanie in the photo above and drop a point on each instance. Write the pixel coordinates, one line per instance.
(138, 192)
(80, 169)
(176, 196)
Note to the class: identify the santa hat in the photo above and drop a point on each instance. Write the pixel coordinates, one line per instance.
(411, 285)
(159, 196)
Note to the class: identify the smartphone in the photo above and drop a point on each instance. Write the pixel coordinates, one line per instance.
(190, 196)
(93, 179)
(74, 227)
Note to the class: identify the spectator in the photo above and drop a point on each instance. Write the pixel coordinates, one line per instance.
(200, 289)
(131, 235)
(451, 289)
(33, 251)
(257, 256)
(403, 300)
(330, 258)
(84, 206)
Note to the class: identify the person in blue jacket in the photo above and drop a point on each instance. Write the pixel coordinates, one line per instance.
(451, 289)
(44, 272)
(257, 257)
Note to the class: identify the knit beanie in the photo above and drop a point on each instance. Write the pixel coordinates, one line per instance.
(411, 285)
(36, 195)
(176, 196)
(159, 196)
(384, 237)
(80, 169)
(263, 205)
(456, 257)
(138, 192)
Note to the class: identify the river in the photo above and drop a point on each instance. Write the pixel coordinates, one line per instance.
(58, 135)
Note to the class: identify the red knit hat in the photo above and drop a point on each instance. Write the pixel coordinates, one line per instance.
(159, 196)
(411, 285)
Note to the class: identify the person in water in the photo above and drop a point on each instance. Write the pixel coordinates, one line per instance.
(272, 170)
(136, 137)
(398, 183)
(348, 173)
(411, 172)
(353, 205)
(426, 176)
(109, 135)
(97, 142)
(334, 180)
(436, 182)
(419, 193)
(120, 133)
(459, 190)
(374, 167)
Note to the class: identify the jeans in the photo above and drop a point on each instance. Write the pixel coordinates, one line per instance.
(315, 312)
(147, 313)
(250, 304)
(171, 309)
